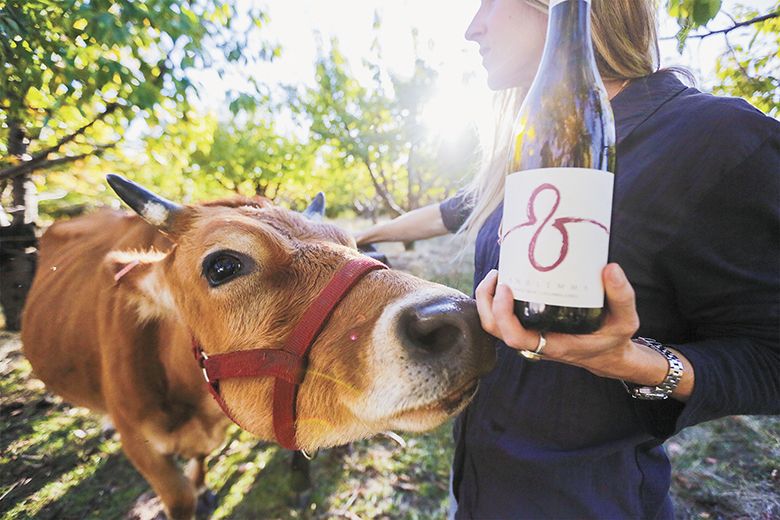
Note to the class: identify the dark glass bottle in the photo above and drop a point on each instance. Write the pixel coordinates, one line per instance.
(557, 204)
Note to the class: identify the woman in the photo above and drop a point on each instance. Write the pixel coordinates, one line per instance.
(696, 231)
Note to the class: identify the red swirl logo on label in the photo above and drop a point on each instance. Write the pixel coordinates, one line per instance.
(559, 224)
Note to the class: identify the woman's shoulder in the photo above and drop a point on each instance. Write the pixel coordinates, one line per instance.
(723, 128)
(691, 141)
(730, 118)
(662, 107)
(718, 108)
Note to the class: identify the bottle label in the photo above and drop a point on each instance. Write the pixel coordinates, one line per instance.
(555, 235)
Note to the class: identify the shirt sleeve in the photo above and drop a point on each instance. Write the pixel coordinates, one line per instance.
(456, 209)
(725, 270)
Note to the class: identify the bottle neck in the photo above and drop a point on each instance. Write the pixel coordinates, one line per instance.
(568, 42)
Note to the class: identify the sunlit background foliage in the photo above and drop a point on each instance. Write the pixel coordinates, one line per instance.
(93, 86)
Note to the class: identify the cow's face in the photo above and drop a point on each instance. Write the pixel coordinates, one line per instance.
(397, 353)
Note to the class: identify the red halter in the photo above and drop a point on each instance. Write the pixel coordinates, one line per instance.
(288, 364)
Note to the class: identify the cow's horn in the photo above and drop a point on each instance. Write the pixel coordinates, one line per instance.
(316, 210)
(154, 209)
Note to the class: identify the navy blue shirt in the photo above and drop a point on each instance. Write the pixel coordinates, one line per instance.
(696, 227)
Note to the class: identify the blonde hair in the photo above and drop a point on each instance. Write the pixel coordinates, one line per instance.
(625, 43)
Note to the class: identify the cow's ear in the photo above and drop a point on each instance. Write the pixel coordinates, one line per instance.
(316, 208)
(140, 275)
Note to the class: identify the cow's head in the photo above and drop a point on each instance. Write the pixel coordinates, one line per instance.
(397, 353)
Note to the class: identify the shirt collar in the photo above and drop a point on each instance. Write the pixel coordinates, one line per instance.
(642, 98)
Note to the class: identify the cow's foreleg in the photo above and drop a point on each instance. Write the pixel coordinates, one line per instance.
(196, 472)
(300, 480)
(175, 490)
(300, 472)
(207, 500)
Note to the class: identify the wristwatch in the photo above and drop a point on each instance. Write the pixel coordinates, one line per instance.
(670, 382)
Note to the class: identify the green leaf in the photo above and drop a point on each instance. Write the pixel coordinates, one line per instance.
(80, 24)
(705, 10)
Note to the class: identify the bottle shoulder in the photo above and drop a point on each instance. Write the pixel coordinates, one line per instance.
(554, 130)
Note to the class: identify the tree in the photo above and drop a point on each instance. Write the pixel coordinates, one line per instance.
(352, 122)
(751, 70)
(251, 157)
(77, 72)
(205, 157)
(377, 128)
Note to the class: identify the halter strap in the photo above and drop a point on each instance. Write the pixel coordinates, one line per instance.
(288, 364)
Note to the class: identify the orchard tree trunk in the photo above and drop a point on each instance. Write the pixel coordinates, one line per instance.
(18, 242)
(25, 201)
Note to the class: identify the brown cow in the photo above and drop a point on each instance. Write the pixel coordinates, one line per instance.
(397, 352)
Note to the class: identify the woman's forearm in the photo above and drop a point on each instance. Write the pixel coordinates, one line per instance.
(644, 366)
(418, 224)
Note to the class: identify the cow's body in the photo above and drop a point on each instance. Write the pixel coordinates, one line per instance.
(123, 347)
(85, 343)
(73, 294)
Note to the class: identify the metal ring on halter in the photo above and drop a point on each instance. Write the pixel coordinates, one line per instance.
(309, 455)
(536, 355)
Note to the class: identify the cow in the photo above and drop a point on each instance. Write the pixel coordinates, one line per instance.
(120, 303)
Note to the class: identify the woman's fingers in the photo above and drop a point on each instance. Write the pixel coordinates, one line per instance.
(495, 305)
(622, 318)
(513, 334)
(484, 297)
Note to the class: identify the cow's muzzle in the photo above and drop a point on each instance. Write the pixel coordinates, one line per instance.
(446, 327)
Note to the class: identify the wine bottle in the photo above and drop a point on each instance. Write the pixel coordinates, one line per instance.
(558, 202)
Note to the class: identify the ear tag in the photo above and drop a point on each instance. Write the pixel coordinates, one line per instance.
(126, 269)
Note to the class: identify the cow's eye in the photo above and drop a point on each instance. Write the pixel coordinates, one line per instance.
(221, 267)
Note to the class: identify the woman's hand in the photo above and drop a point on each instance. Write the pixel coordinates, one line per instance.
(608, 352)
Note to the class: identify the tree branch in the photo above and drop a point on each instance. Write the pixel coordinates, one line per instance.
(233, 188)
(261, 188)
(734, 55)
(727, 30)
(41, 164)
(392, 205)
(68, 159)
(733, 20)
(39, 160)
(380, 187)
(111, 107)
(276, 189)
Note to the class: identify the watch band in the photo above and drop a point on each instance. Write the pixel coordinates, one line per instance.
(670, 382)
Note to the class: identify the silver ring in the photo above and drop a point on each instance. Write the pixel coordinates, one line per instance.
(542, 343)
(536, 354)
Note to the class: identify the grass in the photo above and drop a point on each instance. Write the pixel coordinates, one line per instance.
(728, 468)
(56, 464)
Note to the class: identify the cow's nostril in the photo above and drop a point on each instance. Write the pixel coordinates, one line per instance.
(440, 338)
(434, 327)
